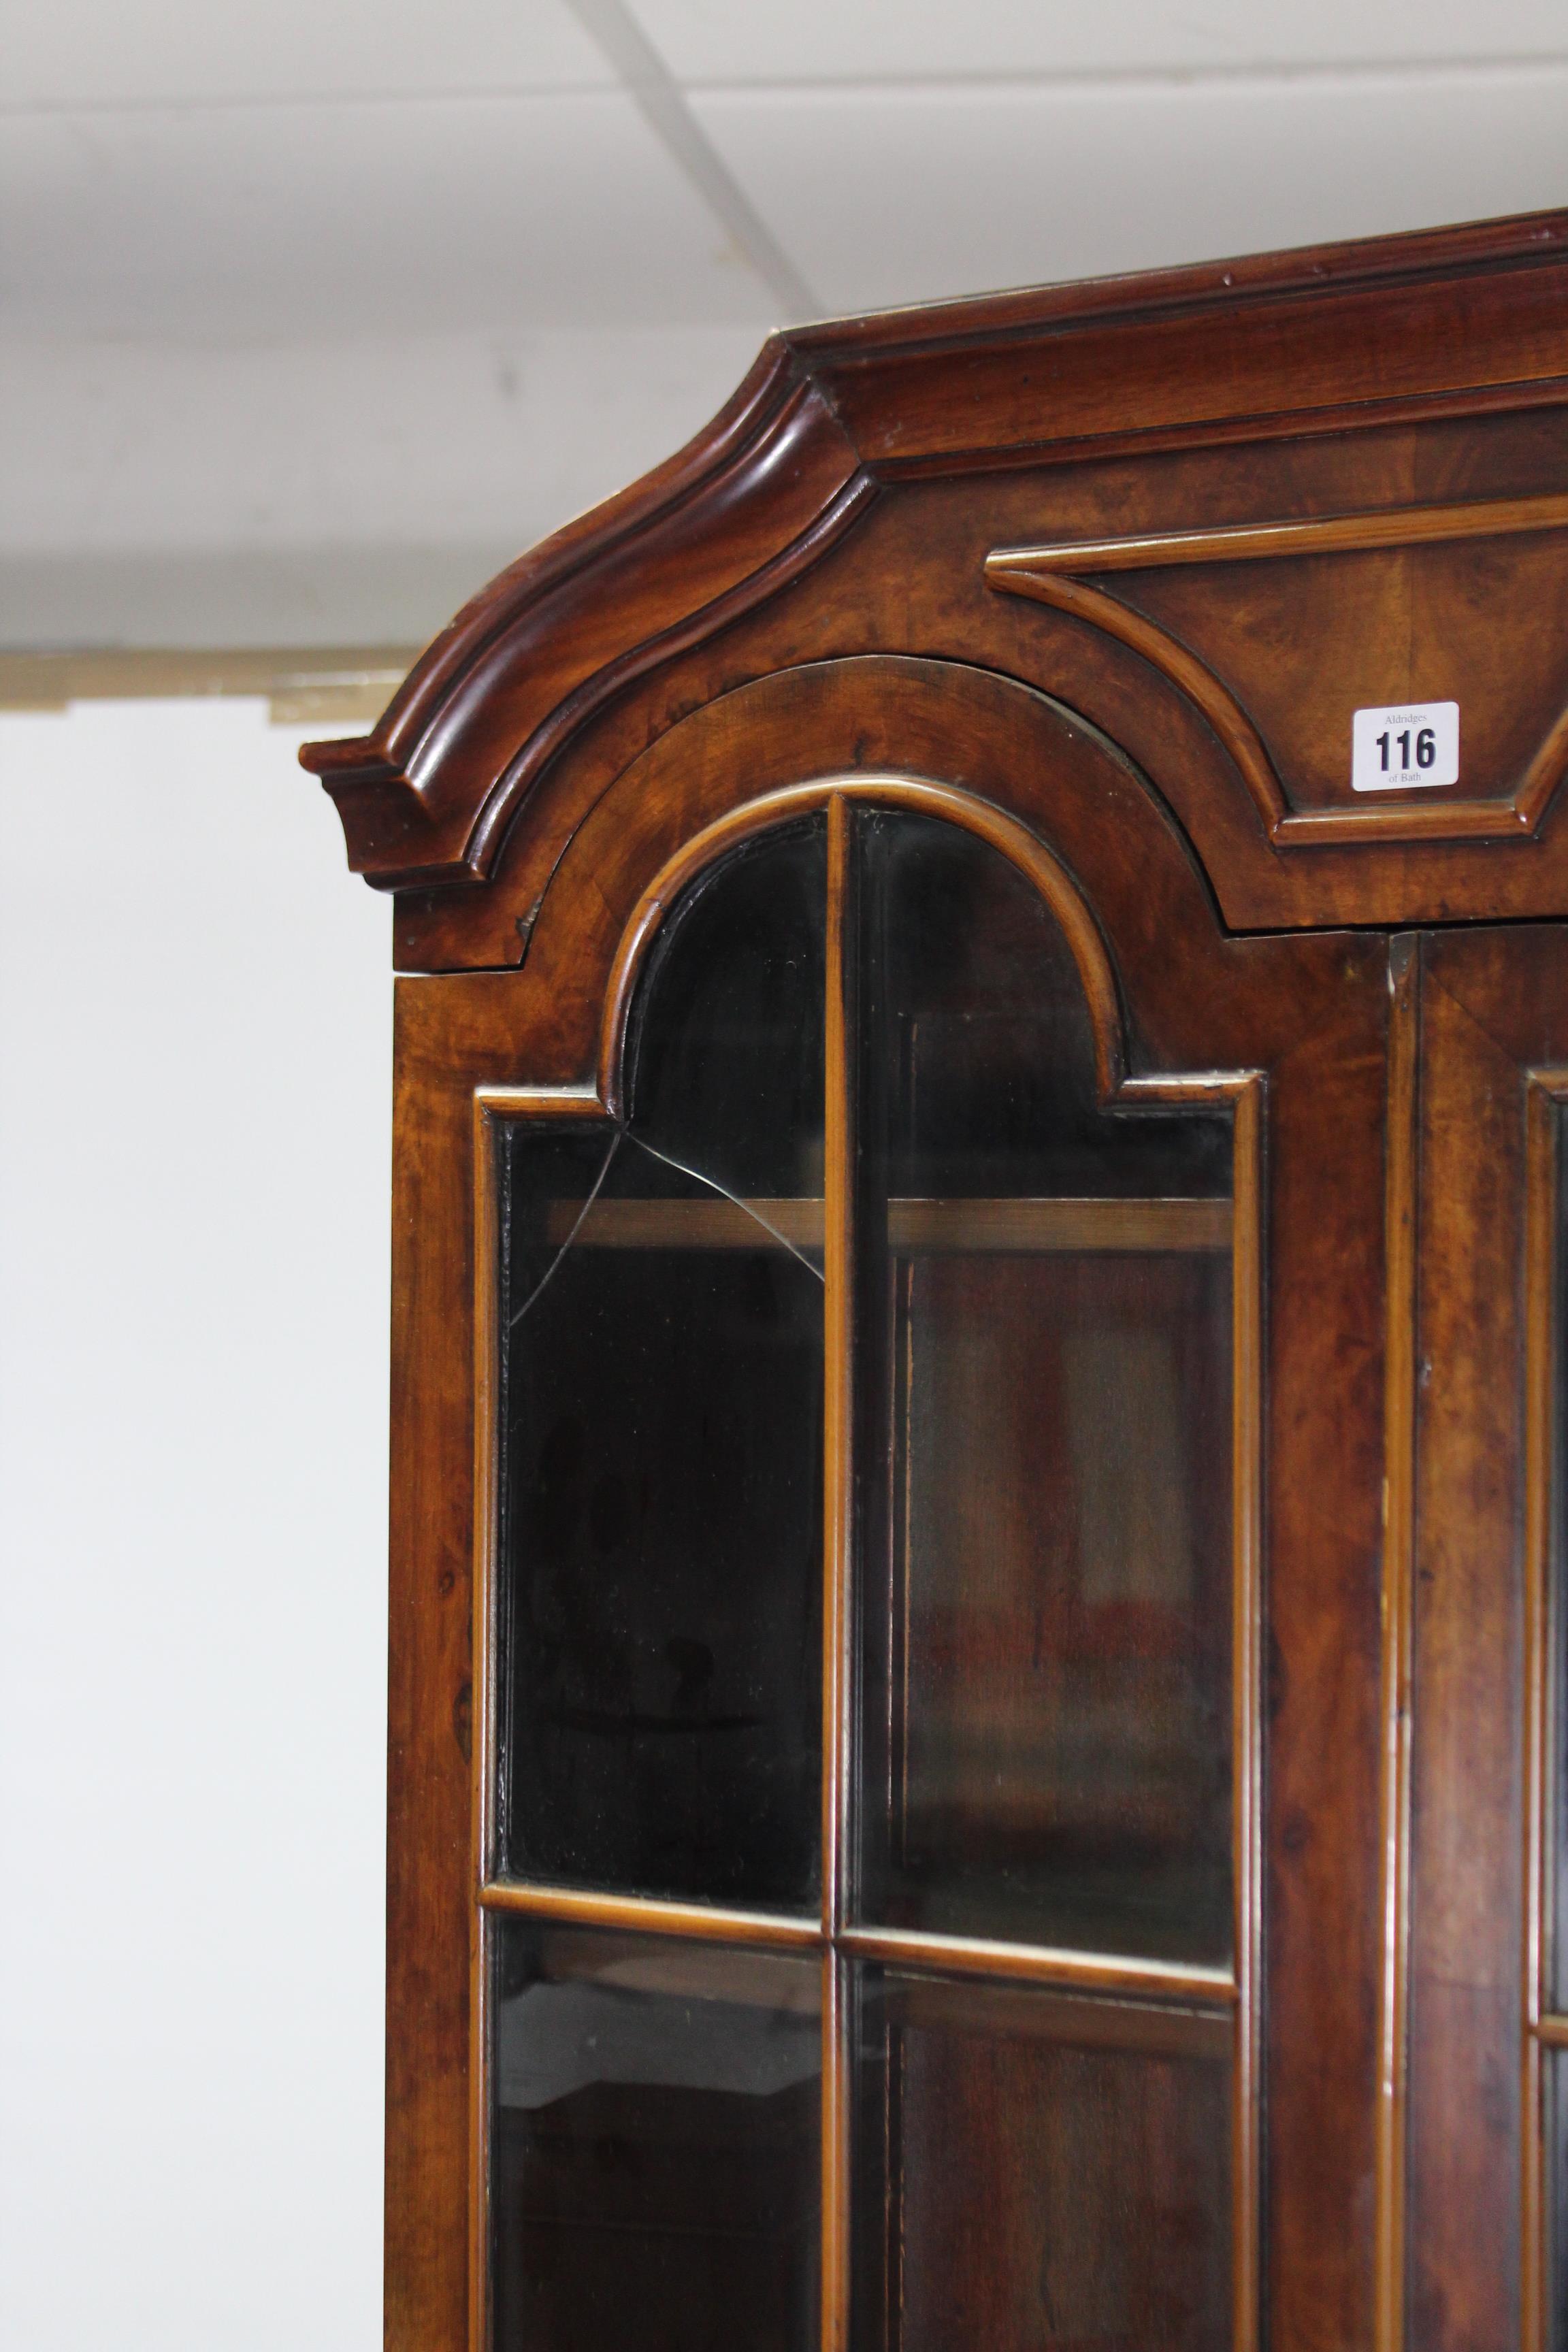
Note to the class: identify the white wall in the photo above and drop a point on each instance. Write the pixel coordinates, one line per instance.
(194, 1050)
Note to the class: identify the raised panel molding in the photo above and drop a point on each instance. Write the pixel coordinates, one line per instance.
(1055, 574)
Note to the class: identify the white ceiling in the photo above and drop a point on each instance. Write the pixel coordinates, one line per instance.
(310, 315)
(884, 194)
(223, 224)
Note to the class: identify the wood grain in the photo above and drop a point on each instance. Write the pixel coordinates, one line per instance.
(1107, 1972)
(1490, 1010)
(764, 529)
(1185, 671)
(1326, 1334)
(1547, 1092)
(1322, 535)
(800, 621)
(649, 1914)
(1222, 352)
(1021, 1225)
(431, 1867)
(749, 508)
(1189, 999)
(837, 1558)
(1397, 1635)
(483, 1710)
(1283, 783)
(1310, 478)
(1248, 1603)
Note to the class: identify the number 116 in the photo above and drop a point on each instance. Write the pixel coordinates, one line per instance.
(1426, 748)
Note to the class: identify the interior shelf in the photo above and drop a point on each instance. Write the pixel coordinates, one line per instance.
(915, 1227)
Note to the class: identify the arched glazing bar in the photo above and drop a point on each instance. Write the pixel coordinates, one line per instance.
(873, 1742)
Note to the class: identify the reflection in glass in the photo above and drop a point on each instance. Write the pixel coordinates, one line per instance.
(1044, 1311)
(654, 2145)
(660, 1535)
(724, 1063)
(1036, 2170)
(1042, 1299)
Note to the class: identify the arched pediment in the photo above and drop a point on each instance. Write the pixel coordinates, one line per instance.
(846, 501)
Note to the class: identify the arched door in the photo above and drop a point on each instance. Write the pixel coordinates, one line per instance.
(921, 1511)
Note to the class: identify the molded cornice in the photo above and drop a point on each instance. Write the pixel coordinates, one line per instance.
(1452, 319)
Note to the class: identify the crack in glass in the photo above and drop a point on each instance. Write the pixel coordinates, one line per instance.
(623, 1134)
(553, 1268)
(683, 1168)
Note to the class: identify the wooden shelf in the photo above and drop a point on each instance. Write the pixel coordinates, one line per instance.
(1024, 1225)
(915, 1227)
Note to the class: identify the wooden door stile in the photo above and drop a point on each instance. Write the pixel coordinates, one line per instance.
(1247, 1702)
(1396, 1633)
(1494, 1045)
(491, 1106)
(838, 1507)
(1543, 1402)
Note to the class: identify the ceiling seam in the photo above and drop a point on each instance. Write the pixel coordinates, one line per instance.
(1325, 74)
(662, 103)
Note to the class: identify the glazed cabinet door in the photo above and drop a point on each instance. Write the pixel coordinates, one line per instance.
(892, 1661)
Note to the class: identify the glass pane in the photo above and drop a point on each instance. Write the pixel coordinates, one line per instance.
(661, 1492)
(654, 2147)
(1043, 1430)
(1036, 2173)
(725, 1046)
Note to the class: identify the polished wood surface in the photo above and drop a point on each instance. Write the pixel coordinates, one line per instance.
(713, 1922)
(1311, 1013)
(1249, 1607)
(838, 1501)
(733, 520)
(1019, 1225)
(1096, 576)
(1109, 1973)
(1466, 1908)
(1398, 1633)
(430, 2092)
(831, 511)
(1323, 535)
(1330, 614)
(1192, 677)
(1441, 312)
(1493, 1016)
(1543, 1401)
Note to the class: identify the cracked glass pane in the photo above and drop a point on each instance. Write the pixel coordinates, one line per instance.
(661, 1491)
